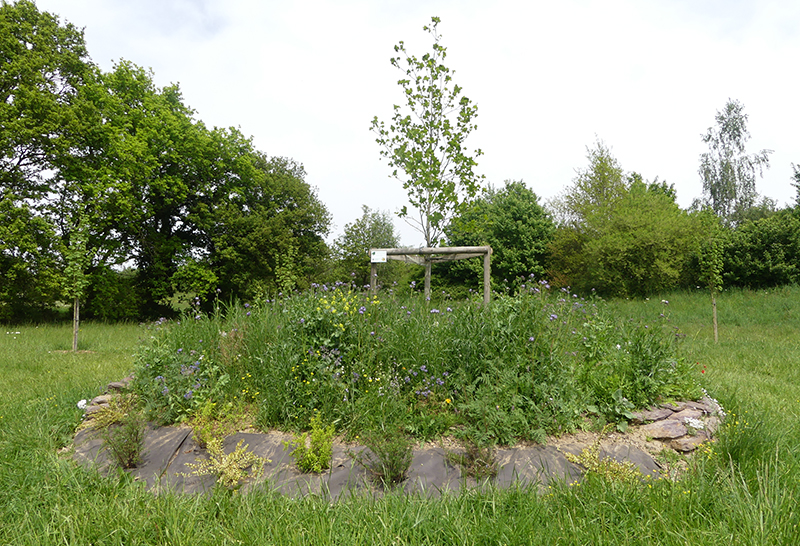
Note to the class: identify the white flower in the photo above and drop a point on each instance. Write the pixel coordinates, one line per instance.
(82, 404)
(696, 424)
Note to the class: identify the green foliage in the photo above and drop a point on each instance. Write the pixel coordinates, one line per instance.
(514, 224)
(728, 173)
(618, 236)
(763, 253)
(231, 469)
(212, 421)
(607, 468)
(120, 172)
(111, 296)
(29, 263)
(502, 373)
(118, 408)
(477, 460)
(313, 455)
(125, 440)
(388, 455)
(351, 250)
(425, 143)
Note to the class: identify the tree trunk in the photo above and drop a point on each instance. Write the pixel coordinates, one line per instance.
(76, 320)
(714, 311)
(427, 277)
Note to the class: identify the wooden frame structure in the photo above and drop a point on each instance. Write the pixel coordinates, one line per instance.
(425, 256)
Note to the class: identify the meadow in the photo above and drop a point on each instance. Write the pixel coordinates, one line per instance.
(742, 491)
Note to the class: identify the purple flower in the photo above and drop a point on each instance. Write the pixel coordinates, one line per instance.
(531, 338)
(247, 306)
(188, 395)
(180, 351)
(423, 368)
(164, 391)
(247, 314)
(553, 316)
(439, 382)
(302, 320)
(434, 310)
(362, 310)
(449, 310)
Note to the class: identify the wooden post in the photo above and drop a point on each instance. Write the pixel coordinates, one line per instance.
(76, 320)
(373, 278)
(487, 276)
(714, 311)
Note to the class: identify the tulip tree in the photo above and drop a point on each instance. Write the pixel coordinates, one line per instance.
(425, 141)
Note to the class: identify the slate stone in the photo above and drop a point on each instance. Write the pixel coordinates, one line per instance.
(535, 466)
(646, 416)
(89, 410)
(116, 386)
(687, 413)
(664, 429)
(688, 443)
(100, 400)
(622, 453)
(712, 425)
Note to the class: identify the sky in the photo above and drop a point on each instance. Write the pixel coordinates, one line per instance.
(550, 79)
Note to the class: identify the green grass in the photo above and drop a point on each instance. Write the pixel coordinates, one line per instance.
(745, 491)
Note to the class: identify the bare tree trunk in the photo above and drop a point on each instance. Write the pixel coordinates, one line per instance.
(714, 311)
(427, 277)
(76, 320)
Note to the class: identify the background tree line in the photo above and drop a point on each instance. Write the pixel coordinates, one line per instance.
(113, 193)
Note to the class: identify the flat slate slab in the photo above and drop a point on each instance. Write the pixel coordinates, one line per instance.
(169, 450)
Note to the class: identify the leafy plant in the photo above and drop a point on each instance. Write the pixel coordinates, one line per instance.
(607, 468)
(125, 440)
(115, 412)
(314, 455)
(387, 457)
(476, 461)
(230, 469)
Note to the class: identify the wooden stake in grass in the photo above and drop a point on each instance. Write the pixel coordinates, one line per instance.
(711, 274)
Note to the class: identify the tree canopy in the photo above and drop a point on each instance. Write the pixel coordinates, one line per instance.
(728, 172)
(425, 143)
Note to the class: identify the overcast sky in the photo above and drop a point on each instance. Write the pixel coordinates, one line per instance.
(305, 79)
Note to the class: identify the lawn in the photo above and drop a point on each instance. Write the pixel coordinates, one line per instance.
(744, 491)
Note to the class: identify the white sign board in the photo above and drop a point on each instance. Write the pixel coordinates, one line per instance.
(378, 257)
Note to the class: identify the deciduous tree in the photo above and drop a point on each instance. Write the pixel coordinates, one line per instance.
(728, 172)
(426, 142)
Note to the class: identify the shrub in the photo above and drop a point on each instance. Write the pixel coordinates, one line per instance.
(125, 440)
(313, 455)
(387, 457)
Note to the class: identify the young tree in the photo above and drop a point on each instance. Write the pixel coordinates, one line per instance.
(728, 173)
(425, 142)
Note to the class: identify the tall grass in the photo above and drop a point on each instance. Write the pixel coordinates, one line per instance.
(744, 491)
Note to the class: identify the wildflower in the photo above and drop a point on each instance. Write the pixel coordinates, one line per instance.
(247, 306)
(447, 401)
(553, 317)
(423, 368)
(434, 310)
(531, 338)
(82, 404)
(188, 395)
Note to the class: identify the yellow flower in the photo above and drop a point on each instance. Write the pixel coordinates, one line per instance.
(447, 400)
